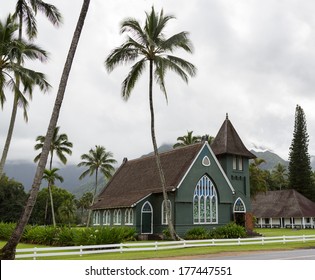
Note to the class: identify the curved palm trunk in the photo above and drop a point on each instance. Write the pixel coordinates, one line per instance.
(9, 134)
(8, 251)
(93, 199)
(157, 158)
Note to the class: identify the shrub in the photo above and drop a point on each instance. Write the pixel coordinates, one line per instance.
(6, 229)
(196, 233)
(231, 230)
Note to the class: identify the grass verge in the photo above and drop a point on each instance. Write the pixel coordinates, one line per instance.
(169, 254)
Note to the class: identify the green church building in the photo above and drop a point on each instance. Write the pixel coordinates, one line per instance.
(207, 186)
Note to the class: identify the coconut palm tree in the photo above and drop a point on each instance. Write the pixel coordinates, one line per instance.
(8, 251)
(149, 45)
(13, 54)
(25, 12)
(187, 140)
(59, 145)
(51, 176)
(97, 160)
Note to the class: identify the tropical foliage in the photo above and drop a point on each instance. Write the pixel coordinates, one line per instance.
(8, 251)
(187, 140)
(59, 146)
(42, 216)
(65, 236)
(14, 53)
(149, 46)
(12, 199)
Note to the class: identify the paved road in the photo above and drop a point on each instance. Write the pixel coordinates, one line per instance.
(305, 254)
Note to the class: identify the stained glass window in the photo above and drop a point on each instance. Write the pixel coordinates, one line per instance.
(205, 202)
(239, 206)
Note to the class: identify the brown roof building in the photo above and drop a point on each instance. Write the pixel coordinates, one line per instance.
(203, 189)
(285, 208)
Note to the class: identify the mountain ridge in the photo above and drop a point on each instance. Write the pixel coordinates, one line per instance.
(24, 171)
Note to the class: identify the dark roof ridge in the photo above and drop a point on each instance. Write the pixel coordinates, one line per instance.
(166, 152)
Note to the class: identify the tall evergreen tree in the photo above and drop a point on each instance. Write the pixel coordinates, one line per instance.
(300, 171)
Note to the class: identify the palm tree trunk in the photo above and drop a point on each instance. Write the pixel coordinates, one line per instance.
(157, 158)
(50, 191)
(14, 112)
(9, 134)
(8, 251)
(93, 199)
(52, 204)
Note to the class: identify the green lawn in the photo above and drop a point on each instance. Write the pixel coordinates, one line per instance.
(194, 251)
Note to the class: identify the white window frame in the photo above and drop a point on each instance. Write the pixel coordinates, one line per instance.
(239, 211)
(117, 217)
(96, 218)
(129, 216)
(106, 218)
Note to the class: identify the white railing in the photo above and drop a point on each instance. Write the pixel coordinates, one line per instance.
(153, 246)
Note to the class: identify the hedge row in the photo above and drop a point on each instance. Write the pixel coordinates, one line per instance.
(231, 230)
(65, 236)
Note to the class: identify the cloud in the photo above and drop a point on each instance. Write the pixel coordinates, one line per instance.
(255, 61)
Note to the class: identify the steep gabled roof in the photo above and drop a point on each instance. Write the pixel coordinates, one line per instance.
(136, 179)
(282, 204)
(227, 141)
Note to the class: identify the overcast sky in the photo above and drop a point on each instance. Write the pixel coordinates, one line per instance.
(255, 60)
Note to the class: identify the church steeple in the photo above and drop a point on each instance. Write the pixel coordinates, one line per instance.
(228, 141)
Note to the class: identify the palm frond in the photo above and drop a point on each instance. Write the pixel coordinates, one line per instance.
(133, 76)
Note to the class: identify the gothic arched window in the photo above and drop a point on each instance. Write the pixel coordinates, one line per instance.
(205, 202)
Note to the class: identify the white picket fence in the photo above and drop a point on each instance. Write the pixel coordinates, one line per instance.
(153, 246)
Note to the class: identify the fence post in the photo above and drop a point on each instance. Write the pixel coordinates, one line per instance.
(303, 238)
(156, 246)
(121, 248)
(212, 241)
(262, 241)
(283, 239)
(81, 250)
(239, 241)
(35, 252)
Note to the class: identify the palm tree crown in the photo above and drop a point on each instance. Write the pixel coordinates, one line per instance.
(187, 140)
(26, 11)
(150, 44)
(59, 144)
(13, 54)
(98, 159)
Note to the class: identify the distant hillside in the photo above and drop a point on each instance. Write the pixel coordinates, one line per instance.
(24, 172)
(271, 159)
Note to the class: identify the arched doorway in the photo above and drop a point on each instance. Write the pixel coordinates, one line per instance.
(239, 211)
(147, 218)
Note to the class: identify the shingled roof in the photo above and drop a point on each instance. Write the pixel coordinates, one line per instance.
(136, 179)
(282, 204)
(227, 141)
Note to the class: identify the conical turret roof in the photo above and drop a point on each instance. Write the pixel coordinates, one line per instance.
(228, 141)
